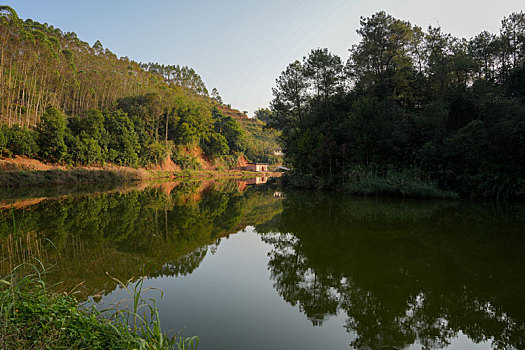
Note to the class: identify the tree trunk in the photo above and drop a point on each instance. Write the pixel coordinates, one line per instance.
(166, 136)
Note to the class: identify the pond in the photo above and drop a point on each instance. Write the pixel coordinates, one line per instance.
(246, 266)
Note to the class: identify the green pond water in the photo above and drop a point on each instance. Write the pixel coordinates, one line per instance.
(254, 267)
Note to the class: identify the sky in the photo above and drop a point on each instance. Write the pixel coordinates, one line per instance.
(241, 46)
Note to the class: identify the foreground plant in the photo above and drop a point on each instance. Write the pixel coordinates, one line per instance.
(143, 318)
(33, 317)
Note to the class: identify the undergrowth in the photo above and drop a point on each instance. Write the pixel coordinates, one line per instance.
(395, 184)
(368, 182)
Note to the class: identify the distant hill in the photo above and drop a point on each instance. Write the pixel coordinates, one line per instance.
(261, 141)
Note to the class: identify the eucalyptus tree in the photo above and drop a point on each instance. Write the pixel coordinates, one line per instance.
(9, 23)
(215, 96)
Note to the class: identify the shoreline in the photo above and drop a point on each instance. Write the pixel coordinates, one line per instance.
(74, 176)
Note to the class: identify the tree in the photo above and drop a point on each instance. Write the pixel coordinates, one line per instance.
(230, 129)
(513, 40)
(215, 96)
(290, 98)
(325, 71)
(123, 145)
(382, 61)
(417, 104)
(439, 53)
(214, 144)
(483, 49)
(263, 114)
(51, 133)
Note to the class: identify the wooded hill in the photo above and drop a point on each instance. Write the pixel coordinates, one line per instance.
(263, 140)
(65, 101)
(409, 110)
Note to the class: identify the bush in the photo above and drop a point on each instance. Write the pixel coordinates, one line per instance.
(186, 162)
(154, 153)
(123, 145)
(265, 158)
(21, 141)
(85, 150)
(229, 161)
(51, 135)
(214, 144)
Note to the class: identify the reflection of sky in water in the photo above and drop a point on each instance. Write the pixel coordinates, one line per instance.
(230, 300)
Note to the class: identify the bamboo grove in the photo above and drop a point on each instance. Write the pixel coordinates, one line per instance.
(409, 105)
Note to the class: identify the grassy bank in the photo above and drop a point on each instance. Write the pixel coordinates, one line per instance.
(33, 317)
(404, 184)
(367, 183)
(86, 176)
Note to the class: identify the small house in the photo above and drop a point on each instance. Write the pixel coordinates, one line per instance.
(259, 167)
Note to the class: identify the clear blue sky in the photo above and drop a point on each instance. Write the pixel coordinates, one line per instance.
(241, 46)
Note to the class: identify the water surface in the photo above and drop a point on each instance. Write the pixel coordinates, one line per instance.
(251, 267)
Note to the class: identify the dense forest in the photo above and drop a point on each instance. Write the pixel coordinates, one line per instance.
(409, 106)
(64, 101)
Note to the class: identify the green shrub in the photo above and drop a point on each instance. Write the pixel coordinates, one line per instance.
(153, 153)
(186, 162)
(85, 150)
(123, 144)
(214, 144)
(21, 141)
(230, 161)
(51, 135)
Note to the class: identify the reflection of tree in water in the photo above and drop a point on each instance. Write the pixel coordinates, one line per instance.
(297, 283)
(184, 265)
(133, 233)
(403, 272)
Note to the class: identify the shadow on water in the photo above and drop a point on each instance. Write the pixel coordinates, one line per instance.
(402, 272)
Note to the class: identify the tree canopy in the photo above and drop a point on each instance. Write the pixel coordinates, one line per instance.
(448, 110)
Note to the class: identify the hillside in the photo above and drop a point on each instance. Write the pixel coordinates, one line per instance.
(262, 141)
(67, 102)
